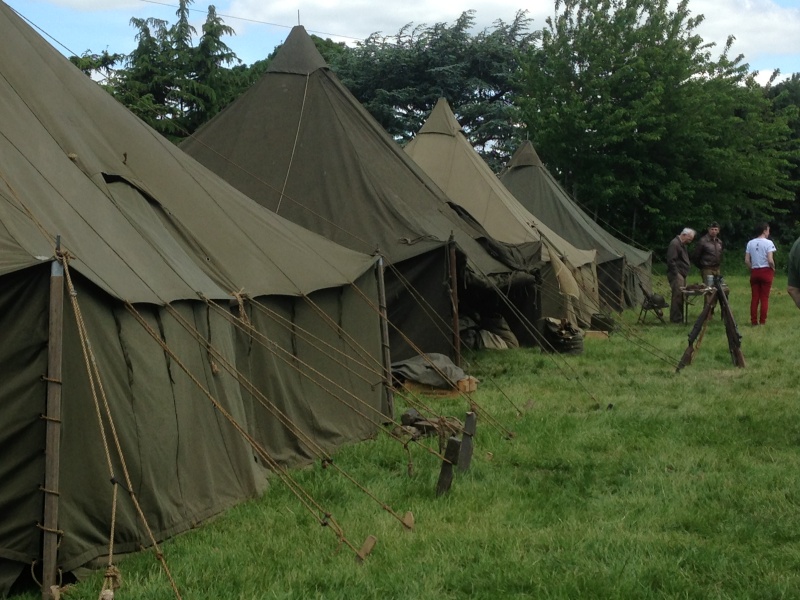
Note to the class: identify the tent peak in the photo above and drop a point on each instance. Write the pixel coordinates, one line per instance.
(297, 55)
(441, 120)
(525, 156)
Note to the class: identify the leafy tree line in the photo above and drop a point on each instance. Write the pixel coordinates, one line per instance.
(626, 104)
(648, 129)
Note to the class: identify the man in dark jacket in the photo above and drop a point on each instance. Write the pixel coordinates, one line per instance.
(707, 253)
(678, 266)
(794, 273)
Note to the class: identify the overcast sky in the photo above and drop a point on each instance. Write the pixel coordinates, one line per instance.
(767, 31)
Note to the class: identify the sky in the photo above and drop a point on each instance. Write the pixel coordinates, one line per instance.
(767, 32)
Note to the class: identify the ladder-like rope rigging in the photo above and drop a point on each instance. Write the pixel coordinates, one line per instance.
(95, 382)
(281, 472)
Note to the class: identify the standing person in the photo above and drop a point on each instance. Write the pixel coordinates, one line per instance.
(678, 266)
(794, 273)
(708, 252)
(759, 257)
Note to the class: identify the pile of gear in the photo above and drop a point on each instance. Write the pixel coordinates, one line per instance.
(491, 331)
(559, 335)
(415, 426)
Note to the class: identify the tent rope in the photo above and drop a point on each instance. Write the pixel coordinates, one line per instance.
(29, 213)
(271, 347)
(353, 343)
(418, 402)
(442, 326)
(294, 145)
(274, 348)
(307, 335)
(282, 473)
(240, 297)
(474, 405)
(282, 417)
(95, 382)
(434, 316)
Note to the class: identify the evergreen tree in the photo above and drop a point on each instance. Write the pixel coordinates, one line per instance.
(173, 85)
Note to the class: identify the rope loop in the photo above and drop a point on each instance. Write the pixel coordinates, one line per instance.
(111, 582)
(58, 532)
(240, 297)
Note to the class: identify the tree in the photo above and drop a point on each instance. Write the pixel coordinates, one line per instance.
(215, 86)
(399, 79)
(173, 85)
(626, 105)
(786, 100)
(98, 66)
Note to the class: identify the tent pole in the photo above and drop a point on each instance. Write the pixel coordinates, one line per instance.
(53, 425)
(387, 358)
(451, 246)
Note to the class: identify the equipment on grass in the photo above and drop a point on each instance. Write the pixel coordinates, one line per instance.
(731, 330)
(697, 333)
(700, 325)
(652, 302)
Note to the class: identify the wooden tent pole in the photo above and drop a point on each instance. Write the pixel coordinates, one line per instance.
(387, 357)
(53, 426)
(451, 246)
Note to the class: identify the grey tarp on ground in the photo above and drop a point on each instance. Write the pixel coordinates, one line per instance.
(621, 266)
(300, 144)
(446, 155)
(433, 369)
(147, 227)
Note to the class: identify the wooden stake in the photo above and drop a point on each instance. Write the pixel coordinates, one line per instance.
(450, 460)
(465, 454)
(366, 548)
(387, 357)
(53, 427)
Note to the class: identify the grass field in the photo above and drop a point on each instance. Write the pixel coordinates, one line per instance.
(623, 479)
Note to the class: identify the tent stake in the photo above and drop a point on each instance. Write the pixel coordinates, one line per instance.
(53, 425)
(450, 459)
(465, 452)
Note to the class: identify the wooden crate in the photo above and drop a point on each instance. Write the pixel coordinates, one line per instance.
(467, 385)
(463, 386)
(598, 335)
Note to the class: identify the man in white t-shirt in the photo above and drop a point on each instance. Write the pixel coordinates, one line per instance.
(759, 257)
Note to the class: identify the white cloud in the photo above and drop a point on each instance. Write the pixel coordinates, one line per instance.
(359, 18)
(92, 5)
(767, 32)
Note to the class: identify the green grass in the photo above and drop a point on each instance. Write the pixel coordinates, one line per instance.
(623, 479)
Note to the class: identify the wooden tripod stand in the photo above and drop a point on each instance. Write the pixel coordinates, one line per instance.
(701, 324)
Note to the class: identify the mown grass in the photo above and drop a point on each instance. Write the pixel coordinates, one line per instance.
(623, 479)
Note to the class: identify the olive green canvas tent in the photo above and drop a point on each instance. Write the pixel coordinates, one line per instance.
(445, 154)
(192, 332)
(300, 144)
(622, 268)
